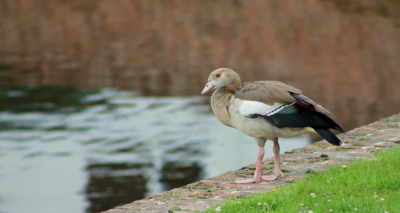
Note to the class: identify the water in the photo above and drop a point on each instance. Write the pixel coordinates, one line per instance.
(65, 150)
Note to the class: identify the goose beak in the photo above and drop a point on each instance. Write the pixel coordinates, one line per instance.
(209, 86)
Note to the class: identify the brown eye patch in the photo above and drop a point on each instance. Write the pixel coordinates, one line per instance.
(218, 75)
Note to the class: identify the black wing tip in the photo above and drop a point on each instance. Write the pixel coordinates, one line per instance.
(336, 143)
(338, 128)
(329, 136)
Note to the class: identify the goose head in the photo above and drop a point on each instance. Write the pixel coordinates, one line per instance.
(222, 78)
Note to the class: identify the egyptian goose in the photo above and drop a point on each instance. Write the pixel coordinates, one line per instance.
(267, 110)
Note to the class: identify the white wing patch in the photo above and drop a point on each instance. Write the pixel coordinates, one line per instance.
(254, 107)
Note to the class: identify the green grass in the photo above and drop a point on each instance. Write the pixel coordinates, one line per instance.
(369, 185)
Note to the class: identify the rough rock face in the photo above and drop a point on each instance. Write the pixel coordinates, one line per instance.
(344, 54)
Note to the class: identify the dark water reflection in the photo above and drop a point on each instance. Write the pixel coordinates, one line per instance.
(114, 181)
(67, 150)
(176, 174)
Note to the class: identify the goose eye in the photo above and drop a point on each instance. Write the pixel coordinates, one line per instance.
(217, 75)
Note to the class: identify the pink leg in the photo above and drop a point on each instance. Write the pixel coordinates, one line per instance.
(257, 173)
(277, 171)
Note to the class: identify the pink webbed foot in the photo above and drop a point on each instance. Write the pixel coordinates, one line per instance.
(261, 178)
(257, 173)
(272, 177)
(251, 180)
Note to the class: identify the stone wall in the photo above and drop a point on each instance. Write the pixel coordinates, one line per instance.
(345, 54)
(359, 143)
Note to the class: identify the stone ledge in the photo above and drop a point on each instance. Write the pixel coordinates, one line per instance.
(358, 143)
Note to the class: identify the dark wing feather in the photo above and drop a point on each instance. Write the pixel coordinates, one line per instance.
(328, 136)
(298, 116)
